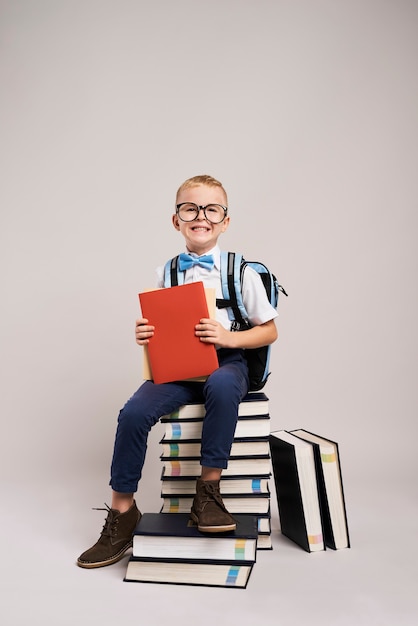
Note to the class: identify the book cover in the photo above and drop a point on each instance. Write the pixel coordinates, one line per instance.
(175, 353)
(163, 535)
(331, 491)
(254, 403)
(297, 490)
(207, 574)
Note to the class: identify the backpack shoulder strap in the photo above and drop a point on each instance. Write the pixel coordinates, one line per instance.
(172, 275)
(231, 271)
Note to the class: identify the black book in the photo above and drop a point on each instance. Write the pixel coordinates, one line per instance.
(297, 490)
(231, 574)
(168, 536)
(331, 491)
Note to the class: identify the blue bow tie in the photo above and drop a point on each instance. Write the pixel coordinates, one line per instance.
(186, 261)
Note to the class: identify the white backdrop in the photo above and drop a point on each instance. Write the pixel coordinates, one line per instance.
(307, 112)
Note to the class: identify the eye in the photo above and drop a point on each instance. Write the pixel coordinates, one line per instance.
(214, 209)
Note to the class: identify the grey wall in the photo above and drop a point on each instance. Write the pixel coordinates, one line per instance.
(306, 111)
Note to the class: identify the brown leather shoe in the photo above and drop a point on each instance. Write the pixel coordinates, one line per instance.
(115, 538)
(208, 510)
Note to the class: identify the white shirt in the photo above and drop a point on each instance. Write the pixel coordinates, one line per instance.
(254, 295)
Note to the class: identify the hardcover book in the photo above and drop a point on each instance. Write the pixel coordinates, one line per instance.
(175, 352)
(191, 449)
(254, 403)
(254, 505)
(331, 492)
(297, 490)
(162, 535)
(244, 467)
(246, 428)
(183, 486)
(230, 574)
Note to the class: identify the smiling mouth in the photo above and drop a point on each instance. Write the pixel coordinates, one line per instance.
(200, 229)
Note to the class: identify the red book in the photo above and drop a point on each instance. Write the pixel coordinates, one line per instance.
(175, 353)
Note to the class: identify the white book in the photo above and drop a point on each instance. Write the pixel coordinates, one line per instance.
(192, 429)
(250, 505)
(182, 449)
(255, 466)
(255, 403)
(331, 491)
(254, 485)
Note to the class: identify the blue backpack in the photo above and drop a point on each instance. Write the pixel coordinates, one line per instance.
(232, 269)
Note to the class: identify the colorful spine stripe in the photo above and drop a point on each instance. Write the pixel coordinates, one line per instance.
(256, 485)
(174, 449)
(240, 549)
(313, 539)
(174, 505)
(233, 572)
(328, 458)
(176, 431)
(175, 468)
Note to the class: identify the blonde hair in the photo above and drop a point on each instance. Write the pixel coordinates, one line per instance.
(203, 179)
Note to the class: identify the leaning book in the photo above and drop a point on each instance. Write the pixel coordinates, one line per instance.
(331, 491)
(296, 484)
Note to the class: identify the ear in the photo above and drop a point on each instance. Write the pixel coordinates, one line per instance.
(225, 224)
(175, 221)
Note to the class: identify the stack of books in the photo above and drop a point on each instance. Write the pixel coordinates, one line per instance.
(309, 487)
(169, 549)
(244, 484)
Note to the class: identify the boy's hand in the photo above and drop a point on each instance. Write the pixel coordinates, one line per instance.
(143, 332)
(211, 331)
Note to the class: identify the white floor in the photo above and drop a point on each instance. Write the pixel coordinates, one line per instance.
(372, 583)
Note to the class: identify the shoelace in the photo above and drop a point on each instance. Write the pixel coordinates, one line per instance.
(212, 494)
(109, 528)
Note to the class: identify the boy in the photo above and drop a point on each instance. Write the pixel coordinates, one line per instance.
(201, 217)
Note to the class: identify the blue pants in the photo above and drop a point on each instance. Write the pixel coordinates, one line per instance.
(221, 393)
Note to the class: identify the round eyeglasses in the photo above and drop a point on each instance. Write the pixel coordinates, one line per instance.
(189, 211)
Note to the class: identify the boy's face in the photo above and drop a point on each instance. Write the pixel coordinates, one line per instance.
(201, 235)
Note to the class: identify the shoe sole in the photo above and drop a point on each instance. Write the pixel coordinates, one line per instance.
(212, 529)
(115, 559)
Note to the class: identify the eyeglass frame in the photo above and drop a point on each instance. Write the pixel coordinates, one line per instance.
(199, 208)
